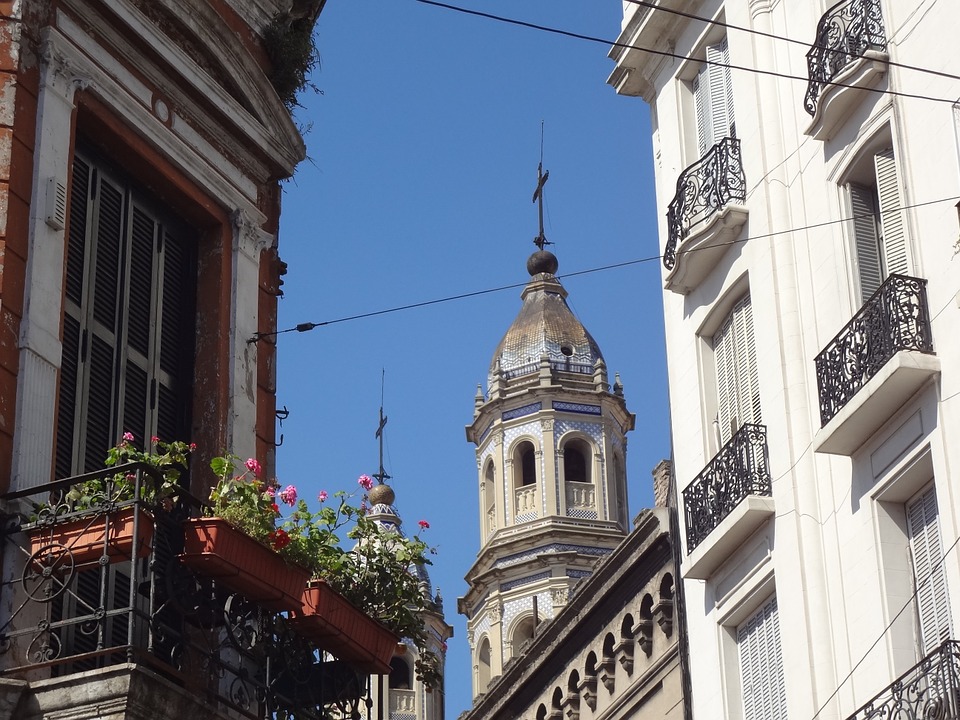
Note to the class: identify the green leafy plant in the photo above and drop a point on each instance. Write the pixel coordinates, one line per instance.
(379, 574)
(169, 458)
(293, 55)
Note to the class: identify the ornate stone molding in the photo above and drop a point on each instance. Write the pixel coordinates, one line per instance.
(59, 72)
(547, 424)
(248, 237)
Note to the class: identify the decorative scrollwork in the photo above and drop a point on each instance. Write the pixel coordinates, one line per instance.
(741, 468)
(845, 32)
(713, 181)
(896, 318)
(48, 572)
(930, 690)
(134, 599)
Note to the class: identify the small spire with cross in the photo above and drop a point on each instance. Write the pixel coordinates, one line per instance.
(541, 240)
(381, 474)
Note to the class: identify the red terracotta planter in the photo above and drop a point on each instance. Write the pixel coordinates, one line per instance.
(327, 618)
(84, 539)
(213, 547)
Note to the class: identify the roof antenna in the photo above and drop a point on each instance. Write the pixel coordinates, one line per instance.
(541, 239)
(381, 474)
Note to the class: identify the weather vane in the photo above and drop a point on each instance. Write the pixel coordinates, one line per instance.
(381, 474)
(541, 239)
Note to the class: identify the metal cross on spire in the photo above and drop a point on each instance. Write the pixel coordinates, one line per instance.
(541, 239)
(381, 474)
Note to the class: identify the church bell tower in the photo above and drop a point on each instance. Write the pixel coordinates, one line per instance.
(551, 455)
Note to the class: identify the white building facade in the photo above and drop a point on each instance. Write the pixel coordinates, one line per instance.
(809, 232)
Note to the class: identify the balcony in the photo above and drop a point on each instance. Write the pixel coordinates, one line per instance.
(930, 689)
(847, 59)
(706, 213)
(99, 612)
(874, 365)
(727, 501)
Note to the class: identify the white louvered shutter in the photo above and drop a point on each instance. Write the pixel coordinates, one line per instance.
(761, 665)
(863, 207)
(713, 97)
(738, 386)
(926, 552)
(893, 240)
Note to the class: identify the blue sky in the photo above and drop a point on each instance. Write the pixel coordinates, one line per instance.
(423, 152)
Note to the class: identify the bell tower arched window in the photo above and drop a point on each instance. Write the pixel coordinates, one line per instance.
(576, 461)
(527, 456)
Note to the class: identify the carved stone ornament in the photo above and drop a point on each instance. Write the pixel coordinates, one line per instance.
(61, 73)
(498, 440)
(559, 596)
(547, 424)
(496, 612)
(248, 237)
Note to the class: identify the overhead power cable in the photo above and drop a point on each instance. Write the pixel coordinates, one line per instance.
(307, 326)
(676, 56)
(774, 36)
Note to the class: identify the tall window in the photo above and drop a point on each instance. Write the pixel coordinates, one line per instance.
(713, 98)
(761, 665)
(576, 461)
(877, 212)
(738, 387)
(128, 320)
(930, 581)
(526, 459)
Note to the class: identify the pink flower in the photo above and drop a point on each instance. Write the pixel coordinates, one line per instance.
(322, 497)
(423, 524)
(289, 495)
(275, 507)
(128, 437)
(364, 481)
(270, 491)
(253, 466)
(193, 446)
(154, 439)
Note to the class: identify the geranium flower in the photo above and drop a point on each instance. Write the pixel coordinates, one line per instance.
(423, 524)
(253, 466)
(289, 495)
(275, 508)
(364, 481)
(193, 446)
(154, 439)
(128, 437)
(322, 497)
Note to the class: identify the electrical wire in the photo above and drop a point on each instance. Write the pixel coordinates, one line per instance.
(676, 56)
(307, 326)
(774, 36)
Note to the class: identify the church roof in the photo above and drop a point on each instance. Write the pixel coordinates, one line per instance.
(545, 326)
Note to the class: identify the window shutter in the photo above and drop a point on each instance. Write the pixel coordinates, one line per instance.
(863, 207)
(713, 98)
(725, 357)
(738, 385)
(933, 606)
(893, 240)
(702, 106)
(761, 665)
(128, 323)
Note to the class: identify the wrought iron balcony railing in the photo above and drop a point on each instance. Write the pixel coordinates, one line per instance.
(895, 318)
(741, 468)
(930, 689)
(711, 182)
(845, 32)
(103, 586)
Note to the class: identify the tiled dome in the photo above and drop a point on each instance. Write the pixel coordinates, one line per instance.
(545, 326)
